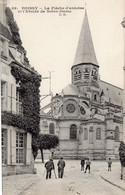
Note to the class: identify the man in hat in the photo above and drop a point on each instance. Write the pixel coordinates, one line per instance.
(61, 165)
(49, 165)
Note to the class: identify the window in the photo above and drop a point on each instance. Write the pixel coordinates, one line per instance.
(2, 45)
(73, 132)
(91, 135)
(77, 74)
(98, 133)
(85, 134)
(117, 133)
(19, 108)
(95, 97)
(20, 147)
(82, 110)
(3, 145)
(20, 57)
(94, 74)
(86, 73)
(51, 128)
(3, 85)
(70, 108)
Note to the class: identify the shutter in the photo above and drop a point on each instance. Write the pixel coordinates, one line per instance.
(13, 146)
(6, 95)
(28, 149)
(13, 87)
(9, 97)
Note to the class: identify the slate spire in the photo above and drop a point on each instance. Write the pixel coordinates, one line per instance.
(85, 52)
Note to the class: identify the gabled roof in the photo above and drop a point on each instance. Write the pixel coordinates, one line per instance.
(112, 93)
(85, 52)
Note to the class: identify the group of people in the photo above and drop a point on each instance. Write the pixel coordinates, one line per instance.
(88, 163)
(49, 165)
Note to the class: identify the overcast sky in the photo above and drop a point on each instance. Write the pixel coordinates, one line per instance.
(51, 40)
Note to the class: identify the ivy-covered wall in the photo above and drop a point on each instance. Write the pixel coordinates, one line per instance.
(29, 88)
(13, 26)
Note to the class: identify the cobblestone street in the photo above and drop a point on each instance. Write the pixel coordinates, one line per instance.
(74, 181)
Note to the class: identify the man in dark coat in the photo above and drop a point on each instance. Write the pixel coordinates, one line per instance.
(82, 164)
(61, 165)
(49, 165)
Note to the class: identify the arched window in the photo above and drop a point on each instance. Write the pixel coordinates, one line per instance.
(85, 134)
(77, 74)
(51, 128)
(86, 73)
(73, 132)
(95, 97)
(98, 133)
(117, 133)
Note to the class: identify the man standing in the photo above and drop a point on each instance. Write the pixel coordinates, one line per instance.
(49, 165)
(61, 165)
(88, 163)
(82, 164)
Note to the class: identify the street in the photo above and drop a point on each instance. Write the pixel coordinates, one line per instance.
(75, 181)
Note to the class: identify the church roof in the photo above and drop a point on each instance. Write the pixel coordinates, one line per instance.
(72, 90)
(85, 52)
(112, 93)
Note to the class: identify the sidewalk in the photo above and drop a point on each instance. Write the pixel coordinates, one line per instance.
(114, 176)
(15, 184)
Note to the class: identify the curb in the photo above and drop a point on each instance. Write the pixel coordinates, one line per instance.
(113, 183)
(28, 186)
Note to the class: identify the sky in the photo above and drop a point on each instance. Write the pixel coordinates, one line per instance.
(51, 39)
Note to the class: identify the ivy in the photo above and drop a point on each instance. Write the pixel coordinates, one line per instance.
(122, 153)
(13, 26)
(29, 88)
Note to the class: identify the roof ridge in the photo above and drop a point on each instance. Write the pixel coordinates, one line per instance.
(111, 84)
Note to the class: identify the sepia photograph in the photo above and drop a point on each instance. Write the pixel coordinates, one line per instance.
(62, 70)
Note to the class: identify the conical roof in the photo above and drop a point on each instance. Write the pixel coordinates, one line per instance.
(85, 52)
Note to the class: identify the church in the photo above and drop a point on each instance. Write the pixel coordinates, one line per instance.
(87, 114)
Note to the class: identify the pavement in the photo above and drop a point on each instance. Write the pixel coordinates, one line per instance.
(16, 184)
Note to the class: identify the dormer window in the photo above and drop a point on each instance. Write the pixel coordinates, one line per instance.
(77, 74)
(3, 49)
(86, 73)
(20, 57)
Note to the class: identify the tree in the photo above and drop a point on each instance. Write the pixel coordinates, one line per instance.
(47, 142)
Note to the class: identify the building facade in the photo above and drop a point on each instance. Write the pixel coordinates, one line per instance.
(16, 143)
(123, 168)
(87, 114)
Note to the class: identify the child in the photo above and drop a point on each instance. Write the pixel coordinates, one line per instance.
(82, 164)
(109, 164)
(87, 165)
